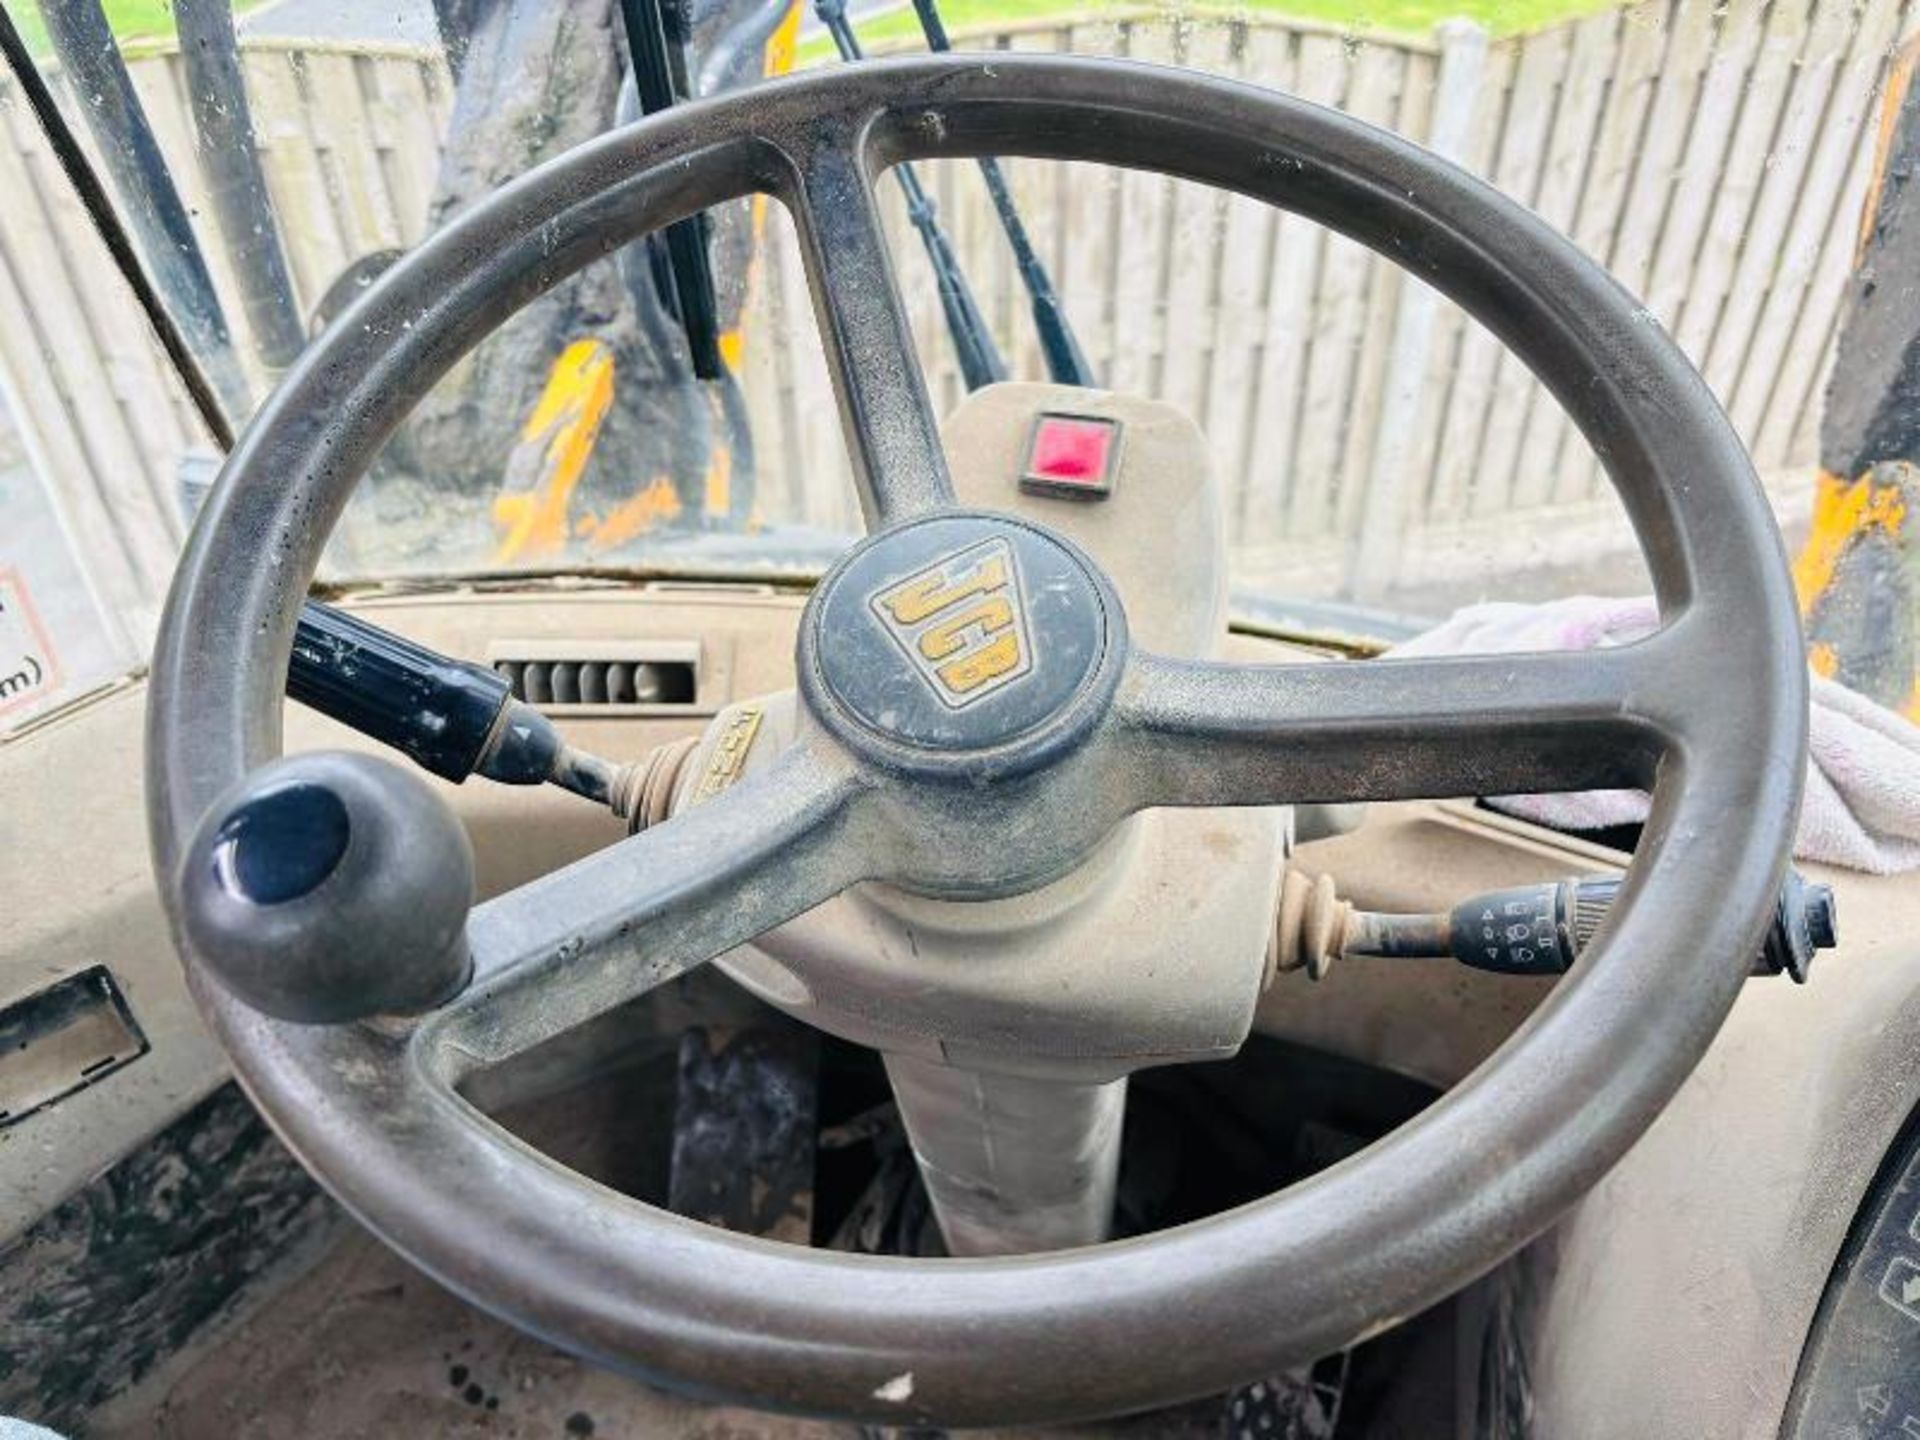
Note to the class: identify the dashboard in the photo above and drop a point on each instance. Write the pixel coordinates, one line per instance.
(1677, 1299)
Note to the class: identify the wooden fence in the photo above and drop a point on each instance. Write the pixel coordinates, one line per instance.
(349, 141)
(1713, 156)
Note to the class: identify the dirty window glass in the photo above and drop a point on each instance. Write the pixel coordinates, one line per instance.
(1376, 451)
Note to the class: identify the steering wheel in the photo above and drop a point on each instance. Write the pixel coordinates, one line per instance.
(975, 794)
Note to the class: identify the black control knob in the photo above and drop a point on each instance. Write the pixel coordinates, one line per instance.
(330, 887)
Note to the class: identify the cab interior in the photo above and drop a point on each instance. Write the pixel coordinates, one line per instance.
(824, 849)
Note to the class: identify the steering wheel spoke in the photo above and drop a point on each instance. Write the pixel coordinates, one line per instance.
(1213, 734)
(601, 931)
(892, 436)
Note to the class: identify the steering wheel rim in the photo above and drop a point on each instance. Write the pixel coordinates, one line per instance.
(371, 1108)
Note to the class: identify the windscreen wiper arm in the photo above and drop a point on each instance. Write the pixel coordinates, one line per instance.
(661, 84)
(980, 361)
(1066, 361)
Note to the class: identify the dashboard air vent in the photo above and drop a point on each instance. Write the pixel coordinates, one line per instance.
(602, 676)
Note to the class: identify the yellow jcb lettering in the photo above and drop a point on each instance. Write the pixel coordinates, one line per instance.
(991, 613)
(977, 667)
(924, 596)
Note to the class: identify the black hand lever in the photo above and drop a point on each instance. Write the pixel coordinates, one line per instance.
(450, 716)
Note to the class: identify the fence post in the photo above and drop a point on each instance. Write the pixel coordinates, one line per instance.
(1373, 555)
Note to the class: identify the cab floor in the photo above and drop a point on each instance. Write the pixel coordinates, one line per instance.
(364, 1347)
(351, 1342)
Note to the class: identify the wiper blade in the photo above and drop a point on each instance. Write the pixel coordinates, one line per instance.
(1066, 361)
(661, 84)
(980, 360)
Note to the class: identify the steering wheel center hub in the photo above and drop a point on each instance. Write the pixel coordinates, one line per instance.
(962, 635)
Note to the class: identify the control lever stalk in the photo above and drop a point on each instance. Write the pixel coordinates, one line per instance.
(1528, 930)
(450, 716)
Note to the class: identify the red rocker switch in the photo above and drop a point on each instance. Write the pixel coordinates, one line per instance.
(1072, 457)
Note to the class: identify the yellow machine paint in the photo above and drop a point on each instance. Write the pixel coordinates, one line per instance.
(533, 513)
(1844, 510)
(656, 504)
(1858, 575)
(1863, 555)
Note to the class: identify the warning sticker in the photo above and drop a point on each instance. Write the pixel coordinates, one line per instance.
(29, 670)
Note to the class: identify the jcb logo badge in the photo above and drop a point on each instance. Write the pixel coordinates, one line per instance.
(962, 622)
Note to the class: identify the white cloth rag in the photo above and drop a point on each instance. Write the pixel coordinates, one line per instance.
(1862, 806)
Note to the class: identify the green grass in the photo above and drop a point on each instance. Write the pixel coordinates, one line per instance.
(1367, 17)
(137, 24)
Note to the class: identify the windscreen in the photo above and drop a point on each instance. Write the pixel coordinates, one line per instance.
(1382, 459)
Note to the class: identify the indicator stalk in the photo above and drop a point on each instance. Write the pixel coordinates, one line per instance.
(1528, 930)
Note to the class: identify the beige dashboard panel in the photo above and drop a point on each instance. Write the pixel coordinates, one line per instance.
(1735, 1202)
(1673, 1299)
(79, 891)
(1683, 1285)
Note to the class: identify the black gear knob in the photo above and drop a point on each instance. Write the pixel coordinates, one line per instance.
(329, 887)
